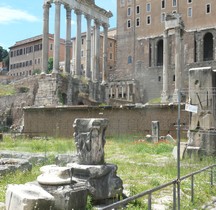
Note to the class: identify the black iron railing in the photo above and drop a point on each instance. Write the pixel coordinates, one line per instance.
(174, 183)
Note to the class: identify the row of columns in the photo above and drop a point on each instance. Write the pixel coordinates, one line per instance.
(178, 64)
(92, 70)
(125, 90)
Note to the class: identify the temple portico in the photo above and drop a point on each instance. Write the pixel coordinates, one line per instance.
(173, 22)
(93, 15)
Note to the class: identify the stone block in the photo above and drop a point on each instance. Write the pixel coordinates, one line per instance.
(183, 146)
(2, 206)
(102, 180)
(28, 197)
(69, 197)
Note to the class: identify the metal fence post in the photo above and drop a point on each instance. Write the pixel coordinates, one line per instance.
(174, 196)
(192, 189)
(149, 201)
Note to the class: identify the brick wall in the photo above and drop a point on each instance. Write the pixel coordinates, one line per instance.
(58, 121)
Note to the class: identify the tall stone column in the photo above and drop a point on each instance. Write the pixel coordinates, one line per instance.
(45, 38)
(164, 95)
(105, 42)
(78, 44)
(56, 56)
(178, 61)
(88, 48)
(96, 73)
(93, 53)
(68, 40)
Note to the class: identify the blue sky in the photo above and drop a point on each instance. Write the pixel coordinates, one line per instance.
(21, 19)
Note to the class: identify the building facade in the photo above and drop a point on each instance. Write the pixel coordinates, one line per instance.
(26, 55)
(140, 45)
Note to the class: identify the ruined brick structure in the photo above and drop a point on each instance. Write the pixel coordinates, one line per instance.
(140, 48)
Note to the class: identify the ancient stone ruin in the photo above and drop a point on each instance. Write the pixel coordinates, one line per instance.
(67, 187)
(201, 133)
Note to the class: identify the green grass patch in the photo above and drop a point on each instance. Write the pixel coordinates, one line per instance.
(7, 90)
(141, 166)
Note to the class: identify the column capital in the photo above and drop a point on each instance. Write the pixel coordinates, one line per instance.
(67, 7)
(57, 2)
(88, 17)
(105, 25)
(97, 22)
(46, 5)
(77, 12)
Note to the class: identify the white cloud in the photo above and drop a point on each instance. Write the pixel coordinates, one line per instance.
(8, 15)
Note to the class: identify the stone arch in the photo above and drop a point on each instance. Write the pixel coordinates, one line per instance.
(160, 52)
(208, 47)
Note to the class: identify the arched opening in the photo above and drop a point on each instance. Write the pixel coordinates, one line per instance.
(160, 53)
(208, 47)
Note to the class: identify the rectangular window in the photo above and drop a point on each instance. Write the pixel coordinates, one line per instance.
(163, 4)
(163, 16)
(174, 3)
(129, 11)
(189, 12)
(148, 7)
(82, 41)
(138, 9)
(122, 3)
(208, 8)
(148, 20)
(110, 44)
(110, 56)
(128, 23)
(138, 22)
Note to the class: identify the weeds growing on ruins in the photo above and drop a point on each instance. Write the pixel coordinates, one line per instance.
(141, 166)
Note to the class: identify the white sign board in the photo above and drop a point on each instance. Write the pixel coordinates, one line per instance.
(191, 108)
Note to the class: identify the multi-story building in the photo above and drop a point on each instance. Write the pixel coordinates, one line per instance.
(26, 55)
(111, 51)
(140, 45)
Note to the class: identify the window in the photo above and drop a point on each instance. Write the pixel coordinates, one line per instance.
(110, 56)
(138, 9)
(129, 59)
(51, 46)
(110, 44)
(174, 3)
(189, 12)
(129, 11)
(122, 3)
(208, 49)
(82, 41)
(129, 23)
(189, 1)
(148, 7)
(148, 20)
(208, 8)
(82, 53)
(138, 22)
(160, 53)
(163, 16)
(38, 60)
(163, 4)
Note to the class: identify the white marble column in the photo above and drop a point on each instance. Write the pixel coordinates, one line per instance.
(68, 40)
(56, 55)
(45, 38)
(78, 44)
(178, 61)
(96, 73)
(93, 53)
(105, 42)
(128, 92)
(164, 95)
(88, 48)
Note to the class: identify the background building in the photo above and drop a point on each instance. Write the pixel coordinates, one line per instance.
(140, 29)
(26, 55)
(111, 51)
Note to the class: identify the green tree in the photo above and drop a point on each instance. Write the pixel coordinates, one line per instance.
(50, 64)
(4, 57)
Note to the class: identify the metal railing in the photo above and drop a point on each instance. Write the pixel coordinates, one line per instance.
(175, 183)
